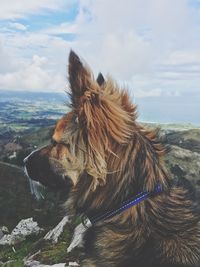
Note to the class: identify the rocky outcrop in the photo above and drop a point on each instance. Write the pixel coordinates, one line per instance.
(189, 139)
(24, 228)
(77, 240)
(52, 236)
(3, 230)
(30, 263)
(183, 164)
(38, 264)
(55, 233)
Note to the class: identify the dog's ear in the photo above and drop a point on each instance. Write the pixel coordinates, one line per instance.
(80, 79)
(100, 79)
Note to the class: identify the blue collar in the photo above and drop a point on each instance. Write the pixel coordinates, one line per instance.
(126, 205)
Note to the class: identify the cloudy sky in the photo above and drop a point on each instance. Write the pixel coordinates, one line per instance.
(151, 46)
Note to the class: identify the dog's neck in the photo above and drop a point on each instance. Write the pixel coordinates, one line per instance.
(136, 168)
(133, 201)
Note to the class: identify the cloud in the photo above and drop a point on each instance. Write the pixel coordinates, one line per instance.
(182, 57)
(151, 93)
(63, 28)
(20, 8)
(34, 76)
(18, 26)
(135, 37)
(150, 45)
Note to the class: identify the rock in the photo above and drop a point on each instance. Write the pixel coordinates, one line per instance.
(186, 162)
(184, 154)
(188, 139)
(38, 264)
(73, 264)
(54, 234)
(24, 228)
(77, 240)
(3, 230)
(184, 165)
(1, 234)
(30, 262)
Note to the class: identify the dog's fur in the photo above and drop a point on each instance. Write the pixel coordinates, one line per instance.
(109, 157)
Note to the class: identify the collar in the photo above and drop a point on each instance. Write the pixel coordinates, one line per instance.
(124, 206)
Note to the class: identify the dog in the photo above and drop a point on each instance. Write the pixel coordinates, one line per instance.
(113, 169)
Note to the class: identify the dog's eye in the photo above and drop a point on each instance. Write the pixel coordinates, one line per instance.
(53, 142)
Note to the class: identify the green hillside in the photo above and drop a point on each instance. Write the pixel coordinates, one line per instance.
(17, 203)
(39, 137)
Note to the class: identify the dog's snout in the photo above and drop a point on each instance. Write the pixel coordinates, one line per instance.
(39, 168)
(33, 155)
(30, 164)
(30, 156)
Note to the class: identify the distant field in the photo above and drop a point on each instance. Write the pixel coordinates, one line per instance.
(21, 111)
(20, 107)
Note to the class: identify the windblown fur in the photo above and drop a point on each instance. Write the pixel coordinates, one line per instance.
(109, 157)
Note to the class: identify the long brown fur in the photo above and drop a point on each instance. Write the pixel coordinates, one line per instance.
(110, 157)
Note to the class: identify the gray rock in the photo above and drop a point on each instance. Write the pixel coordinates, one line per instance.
(38, 264)
(184, 164)
(4, 229)
(73, 264)
(1, 234)
(24, 228)
(54, 234)
(77, 240)
(31, 262)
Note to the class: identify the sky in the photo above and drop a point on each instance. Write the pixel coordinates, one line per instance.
(152, 47)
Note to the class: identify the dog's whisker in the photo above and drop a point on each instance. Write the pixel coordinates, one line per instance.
(34, 186)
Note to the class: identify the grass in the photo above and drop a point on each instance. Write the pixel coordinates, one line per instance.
(17, 263)
(53, 253)
(49, 253)
(7, 253)
(57, 253)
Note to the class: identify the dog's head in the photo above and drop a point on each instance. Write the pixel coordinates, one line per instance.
(85, 140)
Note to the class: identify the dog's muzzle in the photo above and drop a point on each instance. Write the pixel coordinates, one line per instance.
(38, 168)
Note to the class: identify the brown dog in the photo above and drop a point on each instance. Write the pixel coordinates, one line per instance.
(116, 177)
